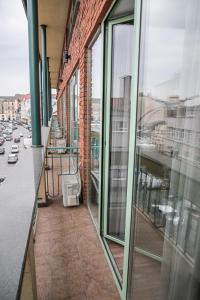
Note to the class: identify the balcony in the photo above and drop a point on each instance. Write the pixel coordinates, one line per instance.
(49, 252)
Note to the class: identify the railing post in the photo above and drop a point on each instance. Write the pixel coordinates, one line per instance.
(32, 14)
(49, 90)
(44, 76)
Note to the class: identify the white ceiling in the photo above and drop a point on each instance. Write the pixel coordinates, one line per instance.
(53, 13)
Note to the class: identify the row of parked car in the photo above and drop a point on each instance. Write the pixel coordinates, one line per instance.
(13, 155)
(6, 131)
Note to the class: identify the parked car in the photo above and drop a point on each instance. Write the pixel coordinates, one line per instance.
(1, 141)
(8, 138)
(2, 150)
(12, 158)
(17, 139)
(2, 179)
(21, 134)
(14, 149)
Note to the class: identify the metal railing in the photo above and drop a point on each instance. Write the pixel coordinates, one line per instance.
(152, 192)
(60, 161)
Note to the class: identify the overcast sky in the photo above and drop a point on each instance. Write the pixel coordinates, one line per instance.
(14, 72)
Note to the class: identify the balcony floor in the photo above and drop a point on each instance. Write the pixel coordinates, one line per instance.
(70, 263)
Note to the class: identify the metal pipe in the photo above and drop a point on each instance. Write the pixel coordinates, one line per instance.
(32, 14)
(50, 98)
(48, 104)
(41, 96)
(44, 75)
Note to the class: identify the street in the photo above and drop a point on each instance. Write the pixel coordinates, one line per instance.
(5, 168)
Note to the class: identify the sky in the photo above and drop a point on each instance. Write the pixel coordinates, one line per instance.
(14, 67)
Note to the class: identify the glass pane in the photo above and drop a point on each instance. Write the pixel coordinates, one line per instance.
(167, 198)
(119, 127)
(95, 125)
(122, 39)
(74, 109)
(121, 9)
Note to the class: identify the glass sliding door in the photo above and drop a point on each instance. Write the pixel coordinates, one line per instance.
(94, 116)
(166, 215)
(119, 129)
(74, 109)
(119, 36)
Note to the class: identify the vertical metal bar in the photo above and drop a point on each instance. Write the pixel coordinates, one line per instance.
(61, 169)
(48, 90)
(58, 185)
(50, 98)
(32, 13)
(69, 159)
(40, 78)
(47, 180)
(60, 164)
(44, 76)
(52, 175)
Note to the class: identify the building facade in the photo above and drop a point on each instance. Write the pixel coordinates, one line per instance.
(25, 111)
(9, 108)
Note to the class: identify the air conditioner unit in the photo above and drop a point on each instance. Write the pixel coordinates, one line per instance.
(70, 190)
(61, 143)
(57, 134)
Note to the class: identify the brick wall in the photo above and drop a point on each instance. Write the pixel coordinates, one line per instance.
(89, 18)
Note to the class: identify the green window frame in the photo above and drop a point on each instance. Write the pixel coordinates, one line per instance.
(122, 283)
(97, 35)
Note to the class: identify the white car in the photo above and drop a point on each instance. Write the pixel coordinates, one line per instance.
(12, 158)
(21, 134)
(15, 149)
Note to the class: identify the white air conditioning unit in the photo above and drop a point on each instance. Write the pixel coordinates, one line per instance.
(61, 143)
(70, 190)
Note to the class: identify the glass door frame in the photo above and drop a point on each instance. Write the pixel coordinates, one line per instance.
(107, 121)
(105, 146)
(99, 33)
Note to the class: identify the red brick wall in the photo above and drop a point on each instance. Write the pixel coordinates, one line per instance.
(89, 18)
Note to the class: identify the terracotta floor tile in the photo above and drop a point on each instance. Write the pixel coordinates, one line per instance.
(70, 263)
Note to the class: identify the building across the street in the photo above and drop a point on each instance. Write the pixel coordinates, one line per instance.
(9, 108)
(18, 108)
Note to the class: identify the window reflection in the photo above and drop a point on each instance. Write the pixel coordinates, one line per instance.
(74, 109)
(95, 125)
(119, 127)
(120, 103)
(168, 152)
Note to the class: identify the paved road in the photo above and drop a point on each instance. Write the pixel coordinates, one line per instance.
(5, 168)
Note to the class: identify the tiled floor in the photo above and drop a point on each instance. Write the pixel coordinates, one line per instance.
(70, 263)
